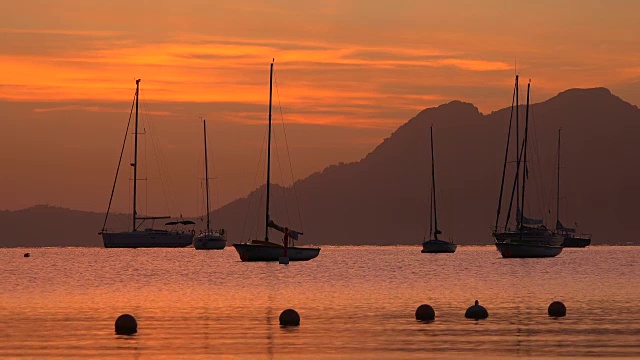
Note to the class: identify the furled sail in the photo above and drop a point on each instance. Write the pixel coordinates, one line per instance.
(292, 233)
(559, 226)
(183, 222)
(525, 220)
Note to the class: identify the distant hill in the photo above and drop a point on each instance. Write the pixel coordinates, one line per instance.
(45, 225)
(384, 198)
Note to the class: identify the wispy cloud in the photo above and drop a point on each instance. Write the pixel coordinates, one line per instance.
(334, 59)
(88, 33)
(195, 68)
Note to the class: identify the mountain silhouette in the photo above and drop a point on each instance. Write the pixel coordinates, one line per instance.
(45, 225)
(384, 198)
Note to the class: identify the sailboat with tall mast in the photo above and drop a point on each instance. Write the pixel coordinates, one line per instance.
(209, 239)
(435, 245)
(569, 234)
(148, 237)
(266, 250)
(530, 238)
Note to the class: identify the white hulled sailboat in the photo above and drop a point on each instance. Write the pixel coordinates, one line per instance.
(209, 239)
(148, 237)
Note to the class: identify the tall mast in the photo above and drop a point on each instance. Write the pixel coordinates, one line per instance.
(433, 189)
(506, 154)
(558, 185)
(266, 221)
(206, 174)
(135, 159)
(517, 146)
(430, 212)
(524, 178)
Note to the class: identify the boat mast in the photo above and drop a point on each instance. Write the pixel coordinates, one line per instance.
(430, 213)
(506, 154)
(517, 148)
(558, 185)
(526, 130)
(206, 174)
(135, 158)
(266, 221)
(433, 189)
(115, 179)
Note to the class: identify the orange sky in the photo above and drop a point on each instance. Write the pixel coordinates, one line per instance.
(348, 72)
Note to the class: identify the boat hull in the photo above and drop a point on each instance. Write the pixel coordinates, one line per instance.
(438, 247)
(576, 242)
(261, 252)
(512, 250)
(545, 238)
(147, 239)
(210, 242)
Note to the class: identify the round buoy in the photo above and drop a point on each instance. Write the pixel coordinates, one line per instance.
(289, 317)
(557, 309)
(126, 325)
(476, 312)
(27, 254)
(425, 312)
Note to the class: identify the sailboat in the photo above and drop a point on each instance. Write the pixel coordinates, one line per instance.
(265, 250)
(569, 234)
(148, 237)
(435, 245)
(209, 239)
(530, 238)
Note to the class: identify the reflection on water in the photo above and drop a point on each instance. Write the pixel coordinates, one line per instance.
(355, 302)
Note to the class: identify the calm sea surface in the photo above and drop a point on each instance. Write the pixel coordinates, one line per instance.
(355, 303)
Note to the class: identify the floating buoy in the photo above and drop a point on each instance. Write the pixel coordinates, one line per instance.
(283, 260)
(425, 312)
(476, 312)
(27, 254)
(289, 317)
(126, 325)
(557, 309)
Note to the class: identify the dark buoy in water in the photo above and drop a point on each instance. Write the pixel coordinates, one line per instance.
(126, 325)
(476, 312)
(27, 254)
(425, 312)
(557, 309)
(289, 317)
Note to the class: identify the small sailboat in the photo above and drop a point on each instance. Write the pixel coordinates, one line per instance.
(209, 239)
(569, 234)
(571, 240)
(148, 237)
(435, 245)
(530, 238)
(265, 250)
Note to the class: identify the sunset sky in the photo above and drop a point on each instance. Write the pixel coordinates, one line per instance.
(348, 73)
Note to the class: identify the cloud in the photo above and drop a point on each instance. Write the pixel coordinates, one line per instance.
(320, 83)
(339, 74)
(87, 33)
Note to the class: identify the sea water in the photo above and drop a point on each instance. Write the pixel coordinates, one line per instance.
(354, 303)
